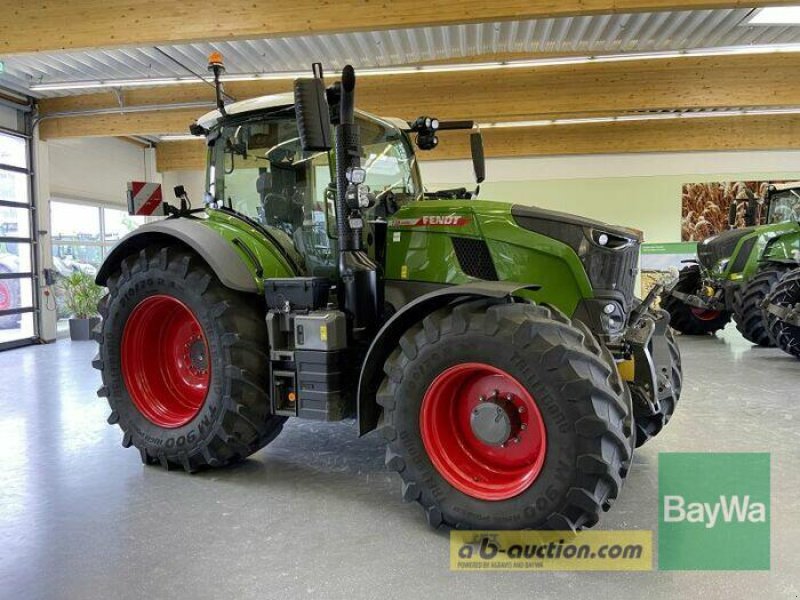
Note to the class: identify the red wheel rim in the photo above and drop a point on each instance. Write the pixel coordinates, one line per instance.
(706, 315)
(165, 361)
(5, 297)
(472, 466)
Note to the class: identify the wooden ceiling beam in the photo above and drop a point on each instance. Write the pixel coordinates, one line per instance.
(486, 96)
(115, 124)
(83, 24)
(775, 132)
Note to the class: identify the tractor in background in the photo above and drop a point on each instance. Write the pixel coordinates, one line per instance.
(498, 348)
(736, 270)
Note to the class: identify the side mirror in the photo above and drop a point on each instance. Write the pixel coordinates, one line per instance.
(312, 112)
(478, 159)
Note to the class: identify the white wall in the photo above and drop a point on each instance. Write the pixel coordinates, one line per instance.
(95, 169)
(194, 182)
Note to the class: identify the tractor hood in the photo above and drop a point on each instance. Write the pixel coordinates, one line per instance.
(719, 247)
(564, 226)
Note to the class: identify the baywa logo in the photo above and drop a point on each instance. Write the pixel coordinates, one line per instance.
(714, 511)
(729, 508)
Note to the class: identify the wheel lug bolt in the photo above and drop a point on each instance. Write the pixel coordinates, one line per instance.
(516, 440)
(523, 427)
(509, 397)
(521, 409)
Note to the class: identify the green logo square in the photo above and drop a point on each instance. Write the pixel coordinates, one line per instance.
(714, 511)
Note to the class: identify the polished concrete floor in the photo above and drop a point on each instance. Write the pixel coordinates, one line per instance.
(316, 514)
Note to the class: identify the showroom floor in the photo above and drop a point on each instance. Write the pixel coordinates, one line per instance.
(316, 513)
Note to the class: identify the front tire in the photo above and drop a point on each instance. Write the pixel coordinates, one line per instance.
(183, 361)
(689, 320)
(751, 319)
(531, 366)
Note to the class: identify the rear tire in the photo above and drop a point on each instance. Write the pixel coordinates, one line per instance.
(751, 319)
(177, 427)
(582, 402)
(787, 294)
(687, 319)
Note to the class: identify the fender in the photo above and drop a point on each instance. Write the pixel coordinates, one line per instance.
(212, 248)
(389, 336)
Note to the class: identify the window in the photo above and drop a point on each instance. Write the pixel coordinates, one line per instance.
(83, 235)
(17, 288)
(784, 207)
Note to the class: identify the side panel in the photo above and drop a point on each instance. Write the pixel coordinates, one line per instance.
(749, 252)
(274, 258)
(236, 252)
(420, 249)
(784, 248)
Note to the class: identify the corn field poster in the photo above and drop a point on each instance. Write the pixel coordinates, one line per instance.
(706, 207)
(662, 262)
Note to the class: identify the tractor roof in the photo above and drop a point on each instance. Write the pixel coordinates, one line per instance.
(789, 185)
(210, 119)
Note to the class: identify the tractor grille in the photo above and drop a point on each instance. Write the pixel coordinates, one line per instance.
(744, 253)
(474, 258)
(613, 270)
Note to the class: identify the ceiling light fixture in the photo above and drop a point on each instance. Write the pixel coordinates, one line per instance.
(776, 15)
(443, 68)
(645, 117)
(180, 138)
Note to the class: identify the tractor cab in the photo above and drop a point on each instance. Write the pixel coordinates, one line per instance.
(258, 168)
(784, 203)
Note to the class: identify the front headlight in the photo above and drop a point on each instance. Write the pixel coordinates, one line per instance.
(722, 265)
(612, 318)
(608, 240)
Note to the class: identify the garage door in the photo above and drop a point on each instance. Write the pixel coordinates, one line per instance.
(17, 285)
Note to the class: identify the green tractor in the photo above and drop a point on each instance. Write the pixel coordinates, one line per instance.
(499, 348)
(736, 270)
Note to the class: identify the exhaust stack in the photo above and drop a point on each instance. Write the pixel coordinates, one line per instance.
(359, 290)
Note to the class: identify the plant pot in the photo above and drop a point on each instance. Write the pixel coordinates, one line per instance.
(80, 330)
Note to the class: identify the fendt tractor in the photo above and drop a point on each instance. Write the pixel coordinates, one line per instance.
(499, 348)
(736, 270)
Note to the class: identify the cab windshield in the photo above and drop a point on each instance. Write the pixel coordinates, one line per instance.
(784, 206)
(259, 169)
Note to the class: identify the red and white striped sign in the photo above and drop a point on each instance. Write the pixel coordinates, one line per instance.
(145, 199)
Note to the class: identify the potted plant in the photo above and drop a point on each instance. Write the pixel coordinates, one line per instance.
(81, 296)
